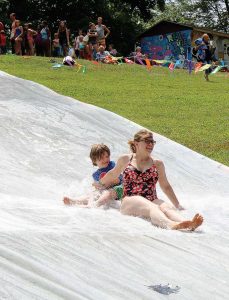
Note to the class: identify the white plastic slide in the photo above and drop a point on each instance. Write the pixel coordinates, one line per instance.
(50, 251)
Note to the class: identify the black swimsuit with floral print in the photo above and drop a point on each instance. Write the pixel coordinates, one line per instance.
(137, 183)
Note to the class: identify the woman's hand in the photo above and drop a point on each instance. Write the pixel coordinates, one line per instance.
(180, 207)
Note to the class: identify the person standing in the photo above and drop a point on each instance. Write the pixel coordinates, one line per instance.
(56, 45)
(2, 42)
(12, 32)
(92, 41)
(63, 34)
(29, 35)
(38, 42)
(45, 38)
(18, 36)
(204, 52)
(102, 33)
(77, 43)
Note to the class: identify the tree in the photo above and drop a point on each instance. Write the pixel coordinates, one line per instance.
(175, 11)
(212, 14)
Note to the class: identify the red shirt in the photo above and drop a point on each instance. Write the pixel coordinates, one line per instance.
(2, 39)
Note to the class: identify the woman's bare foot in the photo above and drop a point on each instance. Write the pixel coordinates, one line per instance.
(190, 225)
(196, 221)
(68, 201)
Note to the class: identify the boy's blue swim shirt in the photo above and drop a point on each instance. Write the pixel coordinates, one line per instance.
(100, 173)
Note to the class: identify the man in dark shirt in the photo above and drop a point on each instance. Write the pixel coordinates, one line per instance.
(204, 52)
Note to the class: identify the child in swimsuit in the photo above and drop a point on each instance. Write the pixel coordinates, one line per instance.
(18, 37)
(100, 156)
(30, 34)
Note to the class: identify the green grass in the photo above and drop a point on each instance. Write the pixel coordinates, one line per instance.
(184, 108)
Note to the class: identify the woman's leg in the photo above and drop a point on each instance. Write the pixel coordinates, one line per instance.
(169, 210)
(17, 47)
(141, 207)
(65, 50)
(31, 51)
(90, 52)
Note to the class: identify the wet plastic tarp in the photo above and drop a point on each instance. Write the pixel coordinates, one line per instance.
(50, 251)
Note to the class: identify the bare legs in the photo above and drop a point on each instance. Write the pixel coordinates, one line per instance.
(160, 213)
(106, 197)
(17, 46)
(84, 201)
(190, 225)
(169, 210)
(162, 217)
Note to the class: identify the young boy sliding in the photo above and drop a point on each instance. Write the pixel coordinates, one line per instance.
(100, 156)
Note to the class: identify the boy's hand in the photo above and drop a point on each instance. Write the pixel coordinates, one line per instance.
(97, 185)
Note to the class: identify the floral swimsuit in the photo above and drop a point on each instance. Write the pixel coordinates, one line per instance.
(137, 183)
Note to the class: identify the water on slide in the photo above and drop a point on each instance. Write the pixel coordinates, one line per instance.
(50, 251)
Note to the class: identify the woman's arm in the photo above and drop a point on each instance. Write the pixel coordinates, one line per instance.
(165, 185)
(107, 31)
(34, 32)
(113, 174)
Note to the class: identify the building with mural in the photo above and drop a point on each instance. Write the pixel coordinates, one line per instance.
(170, 40)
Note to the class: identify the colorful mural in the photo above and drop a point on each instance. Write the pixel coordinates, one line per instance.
(168, 46)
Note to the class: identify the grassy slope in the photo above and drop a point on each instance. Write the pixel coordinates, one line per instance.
(184, 108)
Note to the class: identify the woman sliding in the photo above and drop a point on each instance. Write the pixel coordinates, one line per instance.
(141, 172)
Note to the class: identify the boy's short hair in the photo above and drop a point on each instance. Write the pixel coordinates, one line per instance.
(97, 150)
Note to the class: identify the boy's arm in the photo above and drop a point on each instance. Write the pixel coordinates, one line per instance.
(113, 174)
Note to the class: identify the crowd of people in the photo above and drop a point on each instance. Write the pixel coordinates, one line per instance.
(91, 44)
(25, 40)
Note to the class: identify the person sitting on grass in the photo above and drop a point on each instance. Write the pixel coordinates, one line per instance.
(100, 157)
(101, 54)
(104, 56)
(111, 50)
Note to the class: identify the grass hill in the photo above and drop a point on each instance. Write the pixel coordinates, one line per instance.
(182, 107)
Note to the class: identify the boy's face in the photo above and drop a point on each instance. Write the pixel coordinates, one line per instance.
(103, 161)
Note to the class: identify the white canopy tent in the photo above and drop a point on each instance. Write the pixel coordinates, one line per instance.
(50, 251)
